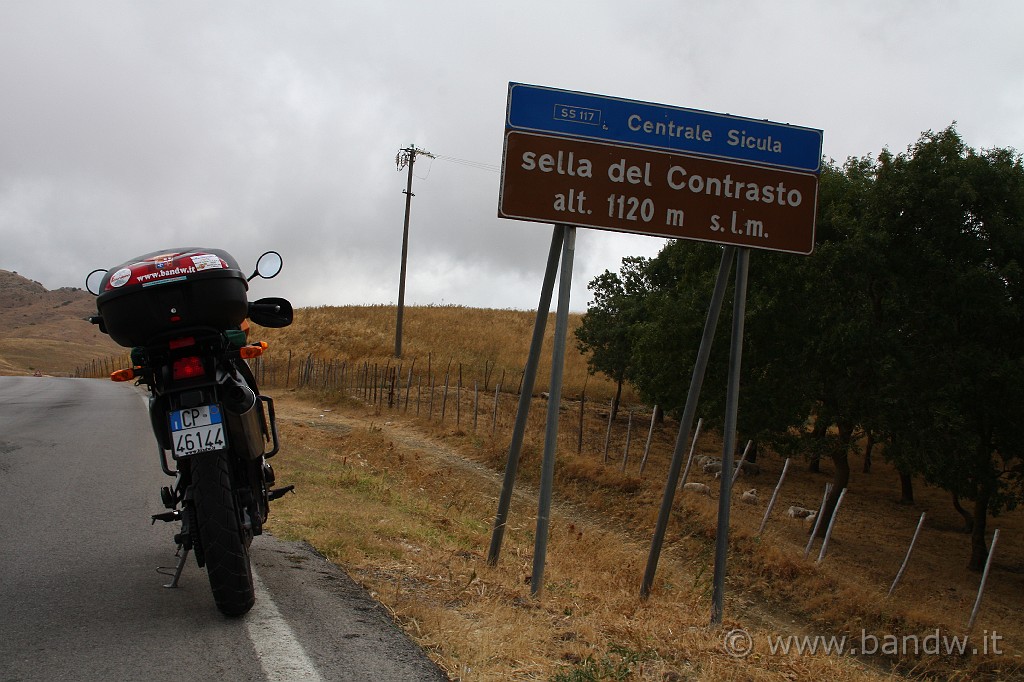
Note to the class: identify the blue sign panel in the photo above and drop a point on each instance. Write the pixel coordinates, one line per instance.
(657, 126)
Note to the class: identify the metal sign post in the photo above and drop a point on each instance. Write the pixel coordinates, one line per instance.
(732, 396)
(554, 403)
(686, 421)
(564, 239)
(529, 376)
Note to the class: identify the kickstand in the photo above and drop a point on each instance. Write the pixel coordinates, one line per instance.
(182, 555)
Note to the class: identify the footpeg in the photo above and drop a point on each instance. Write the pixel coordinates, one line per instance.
(166, 516)
(279, 492)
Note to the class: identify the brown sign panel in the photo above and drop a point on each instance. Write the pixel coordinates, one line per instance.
(626, 189)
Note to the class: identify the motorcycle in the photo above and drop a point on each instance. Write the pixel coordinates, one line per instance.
(184, 313)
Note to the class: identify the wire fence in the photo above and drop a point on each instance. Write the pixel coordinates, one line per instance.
(102, 367)
(479, 399)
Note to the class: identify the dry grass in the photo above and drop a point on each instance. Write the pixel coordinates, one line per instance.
(410, 519)
(493, 341)
(405, 503)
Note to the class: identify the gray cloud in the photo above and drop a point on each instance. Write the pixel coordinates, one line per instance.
(128, 127)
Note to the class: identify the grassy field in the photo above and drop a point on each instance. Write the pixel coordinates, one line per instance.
(491, 342)
(405, 501)
(402, 494)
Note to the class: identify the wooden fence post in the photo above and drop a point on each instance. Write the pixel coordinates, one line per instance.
(647, 447)
(608, 431)
(629, 433)
(444, 397)
(579, 439)
(494, 414)
(430, 403)
(408, 383)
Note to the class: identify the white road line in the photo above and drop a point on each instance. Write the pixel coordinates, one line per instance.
(282, 657)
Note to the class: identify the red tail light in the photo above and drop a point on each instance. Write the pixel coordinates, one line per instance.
(187, 368)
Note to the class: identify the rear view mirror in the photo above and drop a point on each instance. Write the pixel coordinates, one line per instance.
(93, 281)
(268, 266)
(271, 312)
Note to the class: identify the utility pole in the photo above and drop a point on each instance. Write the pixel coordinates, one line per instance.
(405, 157)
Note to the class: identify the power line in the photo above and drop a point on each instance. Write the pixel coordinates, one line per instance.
(471, 164)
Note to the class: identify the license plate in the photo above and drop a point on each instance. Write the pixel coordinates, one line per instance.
(197, 429)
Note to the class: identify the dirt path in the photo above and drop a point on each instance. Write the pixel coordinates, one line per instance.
(739, 607)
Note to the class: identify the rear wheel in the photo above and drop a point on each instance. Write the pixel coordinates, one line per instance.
(224, 546)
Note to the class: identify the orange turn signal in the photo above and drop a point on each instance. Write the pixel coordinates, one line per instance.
(122, 375)
(253, 351)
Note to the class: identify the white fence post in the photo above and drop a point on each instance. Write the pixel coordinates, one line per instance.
(831, 525)
(906, 559)
(775, 494)
(984, 577)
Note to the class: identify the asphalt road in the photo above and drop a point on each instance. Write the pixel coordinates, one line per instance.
(80, 597)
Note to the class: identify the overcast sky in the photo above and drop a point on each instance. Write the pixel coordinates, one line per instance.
(128, 127)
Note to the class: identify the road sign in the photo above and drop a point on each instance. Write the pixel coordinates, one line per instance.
(635, 123)
(669, 194)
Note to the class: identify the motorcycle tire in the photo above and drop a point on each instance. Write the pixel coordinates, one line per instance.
(225, 551)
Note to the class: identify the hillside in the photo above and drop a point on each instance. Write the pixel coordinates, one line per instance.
(46, 330)
(402, 494)
(483, 345)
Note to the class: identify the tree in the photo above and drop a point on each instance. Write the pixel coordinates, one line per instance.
(809, 349)
(907, 322)
(849, 296)
(956, 220)
(678, 287)
(606, 332)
